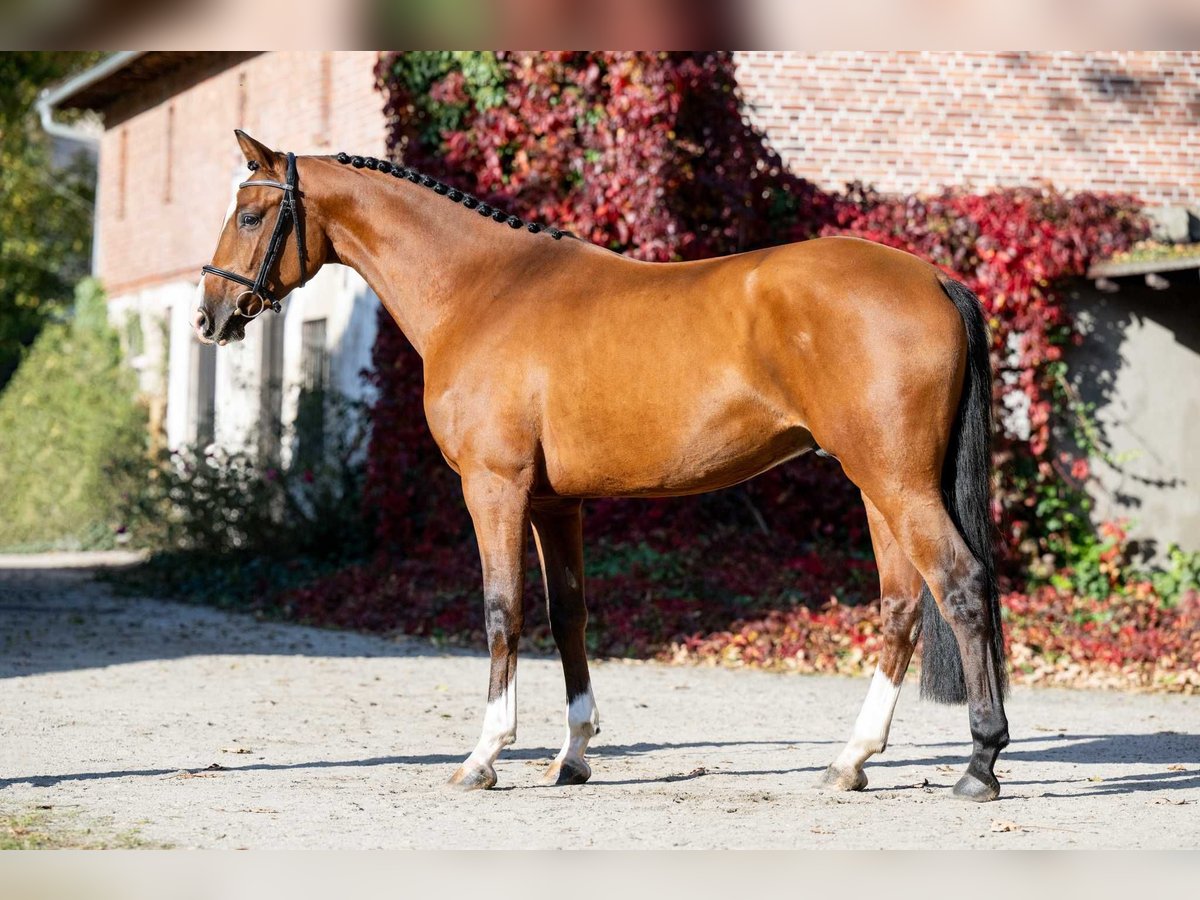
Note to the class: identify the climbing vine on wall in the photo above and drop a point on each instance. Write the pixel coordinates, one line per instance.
(1014, 248)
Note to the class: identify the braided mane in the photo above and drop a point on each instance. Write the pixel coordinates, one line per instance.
(452, 194)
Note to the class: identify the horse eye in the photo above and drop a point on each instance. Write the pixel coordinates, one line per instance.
(249, 220)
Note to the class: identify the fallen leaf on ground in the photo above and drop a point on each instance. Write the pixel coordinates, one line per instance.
(1177, 768)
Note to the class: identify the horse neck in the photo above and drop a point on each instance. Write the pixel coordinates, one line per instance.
(417, 251)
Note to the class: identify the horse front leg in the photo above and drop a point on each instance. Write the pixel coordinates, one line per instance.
(499, 508)
(558, 533)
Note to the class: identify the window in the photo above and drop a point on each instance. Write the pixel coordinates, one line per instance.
(122, 164)
(314, 358)
(310, 408)
(169, 162)
(325, 80)
(270, 427)
(205, 386)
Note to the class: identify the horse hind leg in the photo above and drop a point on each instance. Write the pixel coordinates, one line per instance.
(900, 590)
(961, 587)
(558, 535)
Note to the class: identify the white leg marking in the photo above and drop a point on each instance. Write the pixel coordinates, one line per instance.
(499, 728)
(873, 723)
(583, 721)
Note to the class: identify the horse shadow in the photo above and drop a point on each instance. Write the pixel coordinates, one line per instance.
(1164, 748)
(1161, 749)
(522, 754)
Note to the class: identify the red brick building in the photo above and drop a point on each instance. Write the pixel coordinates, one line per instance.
(917, 121)
(903, 121)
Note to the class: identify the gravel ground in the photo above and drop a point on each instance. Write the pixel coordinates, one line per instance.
(195, 728)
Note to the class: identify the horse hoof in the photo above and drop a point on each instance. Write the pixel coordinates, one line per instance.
(836, 779)
(472, 778)
(567, 771)
(972, 788)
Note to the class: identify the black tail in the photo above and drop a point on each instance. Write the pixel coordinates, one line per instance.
(966, 487)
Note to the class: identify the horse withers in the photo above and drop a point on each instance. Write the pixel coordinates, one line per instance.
(557, 371)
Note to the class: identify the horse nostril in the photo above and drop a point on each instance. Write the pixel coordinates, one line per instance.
(202, 323)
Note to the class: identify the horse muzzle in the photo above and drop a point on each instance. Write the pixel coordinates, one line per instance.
(211, 330)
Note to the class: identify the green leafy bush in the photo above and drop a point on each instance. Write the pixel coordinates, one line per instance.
(1103, 565)
(230, 527)
(71, 435)
(1180, 574)
(433, 105)
(218, 502)
(45, 211)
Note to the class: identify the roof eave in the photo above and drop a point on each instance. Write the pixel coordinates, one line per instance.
(55, 96)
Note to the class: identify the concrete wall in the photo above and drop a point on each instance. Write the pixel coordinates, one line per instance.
(1140, 366)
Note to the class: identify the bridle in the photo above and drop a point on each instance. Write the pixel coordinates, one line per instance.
(287, 220)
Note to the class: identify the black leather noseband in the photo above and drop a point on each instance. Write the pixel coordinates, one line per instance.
(288, 220)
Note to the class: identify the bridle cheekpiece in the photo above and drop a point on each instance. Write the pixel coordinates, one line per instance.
(261, 297)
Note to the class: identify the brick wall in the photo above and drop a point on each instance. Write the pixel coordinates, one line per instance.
(167, 157)
(914, 121)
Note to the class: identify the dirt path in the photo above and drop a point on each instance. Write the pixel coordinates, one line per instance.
(112, 711)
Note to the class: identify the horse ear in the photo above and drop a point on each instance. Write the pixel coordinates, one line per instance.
(256, 151)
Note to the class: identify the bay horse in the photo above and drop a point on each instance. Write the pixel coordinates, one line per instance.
(558, 371)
